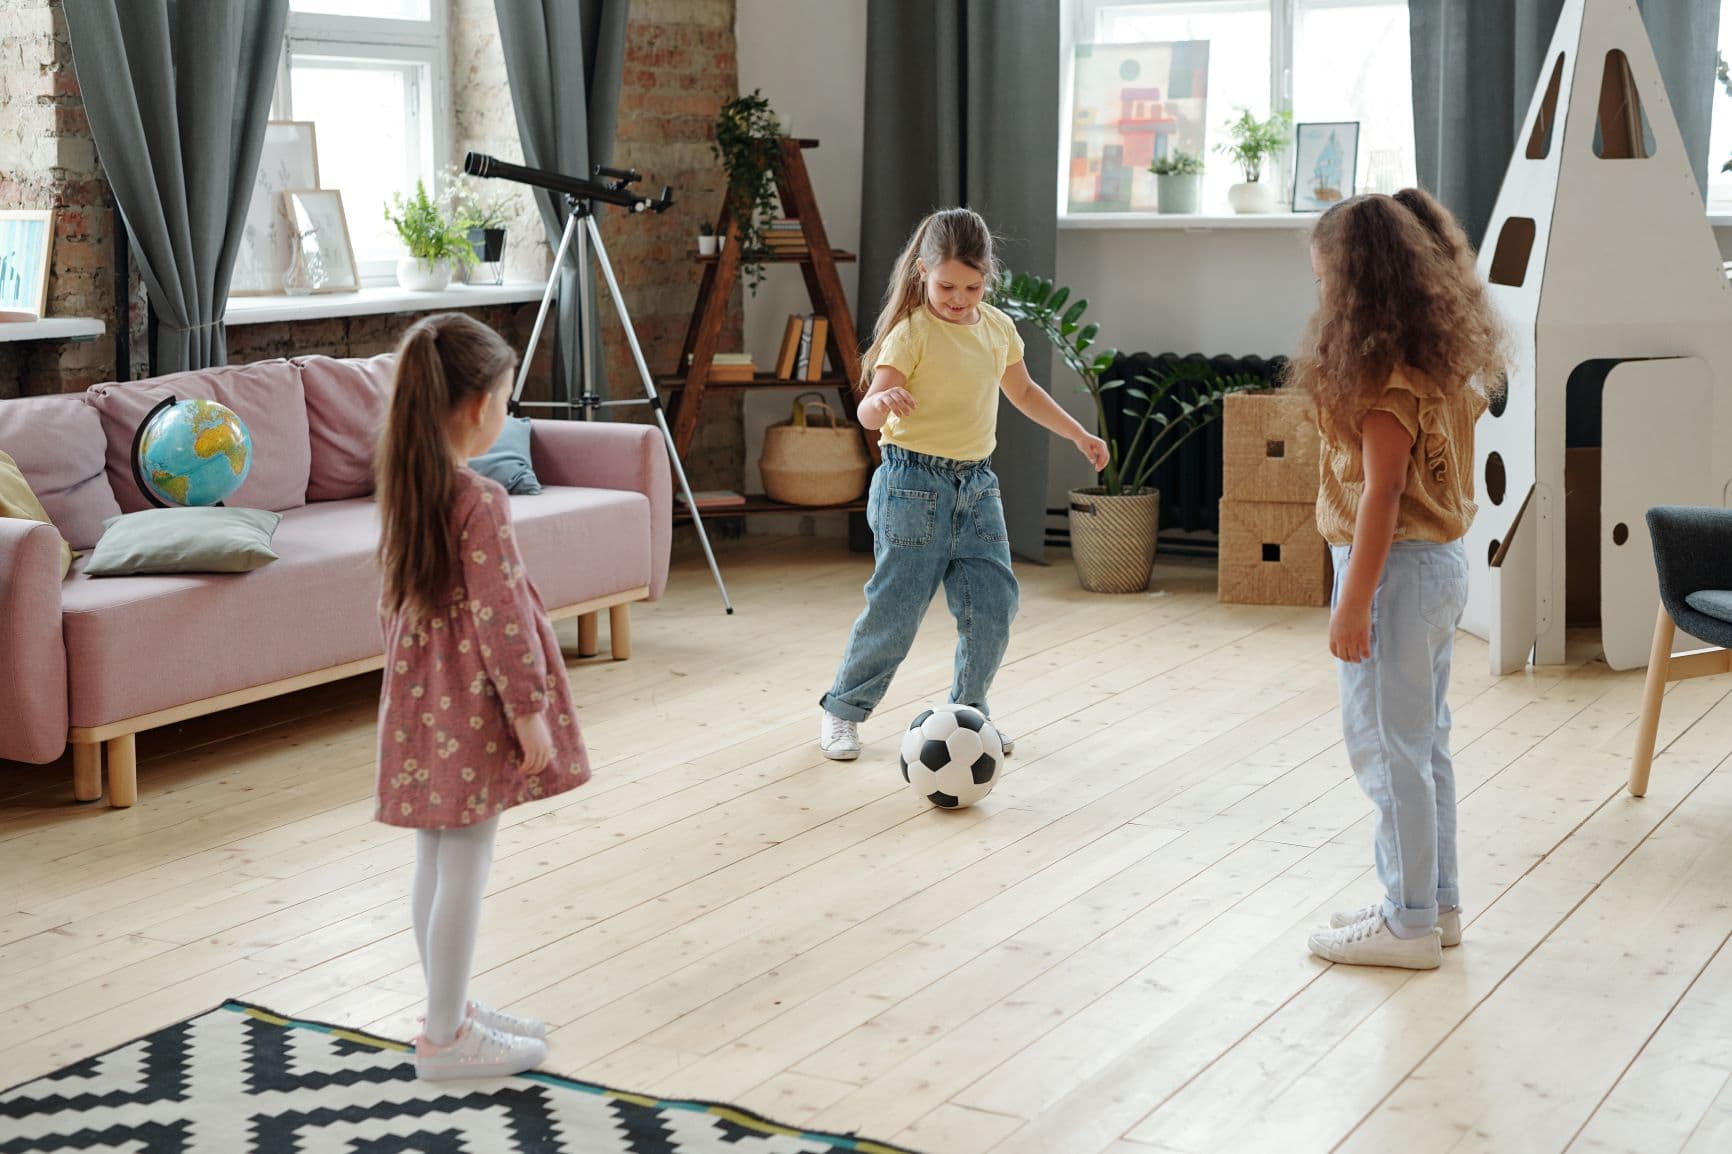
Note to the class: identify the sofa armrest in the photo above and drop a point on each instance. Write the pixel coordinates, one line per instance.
(612, 455)
(33, 705)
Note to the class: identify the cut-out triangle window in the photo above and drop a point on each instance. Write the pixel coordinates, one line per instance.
(1540, 140)
(1621, 132)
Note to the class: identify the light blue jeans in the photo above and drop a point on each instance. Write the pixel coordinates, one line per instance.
(934, 522)
(1395, 717)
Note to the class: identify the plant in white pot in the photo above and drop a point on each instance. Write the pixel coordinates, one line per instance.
(436, 245)
(1113, 525)
(1253, 142)
(1178, 182)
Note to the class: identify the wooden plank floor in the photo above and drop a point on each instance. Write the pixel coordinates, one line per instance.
(1107, 956)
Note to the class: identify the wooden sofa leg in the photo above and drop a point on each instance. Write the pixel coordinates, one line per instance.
(86, 771)
(619, 631)
(1653, 693)
(589, 634)
(122, 771)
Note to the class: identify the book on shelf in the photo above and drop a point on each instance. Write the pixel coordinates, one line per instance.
(715, 499)
(730, 367)
(815, 352)
(790, 349)
(803, 358)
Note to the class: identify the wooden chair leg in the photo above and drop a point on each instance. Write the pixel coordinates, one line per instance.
(589, 634)
(86, 771)
(1653, 693)
(619, 631)
(122, 771)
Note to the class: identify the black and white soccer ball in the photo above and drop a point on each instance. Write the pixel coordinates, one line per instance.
(951, 756)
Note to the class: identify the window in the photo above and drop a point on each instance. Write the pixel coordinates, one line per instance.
(1326, 60)
(372, 77)
(1720, 129)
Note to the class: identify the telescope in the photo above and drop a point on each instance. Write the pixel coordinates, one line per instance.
(617, 191)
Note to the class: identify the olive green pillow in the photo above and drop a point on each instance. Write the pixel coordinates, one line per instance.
(193, 540)
(17, 500)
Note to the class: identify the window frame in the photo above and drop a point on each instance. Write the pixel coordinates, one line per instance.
(415, 42)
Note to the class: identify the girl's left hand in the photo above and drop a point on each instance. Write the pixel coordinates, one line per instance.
(1094, 449)
(1350, 633)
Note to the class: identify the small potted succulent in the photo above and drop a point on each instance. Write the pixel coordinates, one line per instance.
(1178, 182)
(1253, 142)
(706, 239)
(436, 245)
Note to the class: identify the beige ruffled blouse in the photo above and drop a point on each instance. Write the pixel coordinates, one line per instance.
(1438, 504)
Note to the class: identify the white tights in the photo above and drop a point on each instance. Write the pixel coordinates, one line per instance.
(450, 875)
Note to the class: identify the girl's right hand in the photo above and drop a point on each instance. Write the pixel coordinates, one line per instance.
(536, 741)
(895, 402)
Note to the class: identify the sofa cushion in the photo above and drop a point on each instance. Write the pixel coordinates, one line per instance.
(346, 405)
(266, 396)
(508, 460)
(59, 447)
(139, 644)
(197, 540)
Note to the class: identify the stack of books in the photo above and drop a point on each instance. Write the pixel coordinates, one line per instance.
(803, 346)
(730, 368)
(784, 236)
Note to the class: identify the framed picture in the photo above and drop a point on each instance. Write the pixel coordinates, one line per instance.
(319, 231)
(26, 243)
(1132, 104)
(290, 160)
(1325, 164)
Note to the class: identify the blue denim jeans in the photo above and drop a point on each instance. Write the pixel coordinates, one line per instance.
(1395, 717)
(934, 522)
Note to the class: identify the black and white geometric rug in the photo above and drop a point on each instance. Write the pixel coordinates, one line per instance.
(242, 1080)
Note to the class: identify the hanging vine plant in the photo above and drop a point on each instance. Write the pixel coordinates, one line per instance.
(748, 143)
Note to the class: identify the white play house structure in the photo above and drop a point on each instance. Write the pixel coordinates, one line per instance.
(1603, 265)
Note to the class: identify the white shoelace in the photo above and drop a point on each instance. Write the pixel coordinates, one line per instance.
(838, 728)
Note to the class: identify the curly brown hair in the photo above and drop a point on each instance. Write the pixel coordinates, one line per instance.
(1398, 289)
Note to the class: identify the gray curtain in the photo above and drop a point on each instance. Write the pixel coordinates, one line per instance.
(178, 92)
(962, 101)
(565, 60)
(1476, 64)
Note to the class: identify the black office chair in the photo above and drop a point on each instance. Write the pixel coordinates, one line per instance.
(1693, 557)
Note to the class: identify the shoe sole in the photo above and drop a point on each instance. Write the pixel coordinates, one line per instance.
(841, 754)
(1388, 963)
(470, 1073)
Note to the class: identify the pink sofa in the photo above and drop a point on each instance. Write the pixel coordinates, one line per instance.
(93, 661)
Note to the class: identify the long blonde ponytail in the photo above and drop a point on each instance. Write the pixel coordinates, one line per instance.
(948, 234)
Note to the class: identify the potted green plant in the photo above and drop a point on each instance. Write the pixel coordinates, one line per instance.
(1113, 525)
(481, 217)
(1178, 182)
(706, 239)
(1252, 142)
(749, 145)
(436, 245)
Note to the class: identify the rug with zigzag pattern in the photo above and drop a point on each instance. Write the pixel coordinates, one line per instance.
(242, 1080)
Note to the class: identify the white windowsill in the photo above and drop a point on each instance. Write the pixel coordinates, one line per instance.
(53, 329)
(373, 301)
(1188, 222)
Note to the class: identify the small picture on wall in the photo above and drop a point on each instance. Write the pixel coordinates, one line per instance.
(320, 232)
(1326, 164)
(290, 160)
(26, 242)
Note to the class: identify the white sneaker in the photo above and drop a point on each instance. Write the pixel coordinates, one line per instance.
(838, 737)
(1448, 921)
(506, 1023)
(1370, 943)
(477, 1052)
(1006, 742)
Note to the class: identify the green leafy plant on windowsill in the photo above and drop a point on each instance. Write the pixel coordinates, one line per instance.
(1254, 141)
(426, 231)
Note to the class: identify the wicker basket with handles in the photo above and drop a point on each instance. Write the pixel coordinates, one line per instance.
(814, 459)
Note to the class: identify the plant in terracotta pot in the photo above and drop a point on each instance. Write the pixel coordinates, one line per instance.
(1113, 524)
(749, 145)
(1178, 182)
(1252, 143)
(436, 245)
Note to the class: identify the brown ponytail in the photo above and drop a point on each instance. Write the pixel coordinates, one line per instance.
(948, 234)
(442, 362)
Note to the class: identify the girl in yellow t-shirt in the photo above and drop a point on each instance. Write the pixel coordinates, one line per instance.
(1401, 334)
(939, 359)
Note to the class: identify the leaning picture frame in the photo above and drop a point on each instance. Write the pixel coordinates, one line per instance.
(1325, 164)
(319, 235)
(26, 251)
(288, 160)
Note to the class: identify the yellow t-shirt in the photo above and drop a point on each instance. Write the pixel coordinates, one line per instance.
(953, 373)
(1438, 503)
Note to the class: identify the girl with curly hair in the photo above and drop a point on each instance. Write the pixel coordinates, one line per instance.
(1395, 358)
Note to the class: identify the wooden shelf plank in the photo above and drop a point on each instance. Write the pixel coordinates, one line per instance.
(761, 381)
(841, 256)
(758, 503)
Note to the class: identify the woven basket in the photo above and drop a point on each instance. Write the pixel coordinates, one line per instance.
(813, 460)
(1112, 539)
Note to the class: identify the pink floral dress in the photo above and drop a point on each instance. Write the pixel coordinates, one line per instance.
(455, 681)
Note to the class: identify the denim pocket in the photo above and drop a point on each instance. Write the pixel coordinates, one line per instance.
(1443, 590)
(989, 517)
(909, 517)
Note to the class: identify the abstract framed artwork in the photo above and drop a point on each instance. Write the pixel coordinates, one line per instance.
(26, 246)
(1325, 165)
(319, 233)
(290, 160)
(1131, 105)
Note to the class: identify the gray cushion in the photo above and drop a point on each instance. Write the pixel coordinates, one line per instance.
(194, 540)
(508, 460)
(1715, 603)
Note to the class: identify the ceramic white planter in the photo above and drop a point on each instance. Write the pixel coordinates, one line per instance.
(423, 276)
(1252, 197)
(707, 245)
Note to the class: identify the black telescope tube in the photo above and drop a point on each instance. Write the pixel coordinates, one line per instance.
(480, 164)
